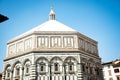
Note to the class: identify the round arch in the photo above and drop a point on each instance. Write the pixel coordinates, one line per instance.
(70, 57)
(25, 61)
(56, 58)
(15, 64)
(83, 60)
(5, 68)
(91, 60)
(40, 58)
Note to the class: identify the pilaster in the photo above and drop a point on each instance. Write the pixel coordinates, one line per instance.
(33, 72)
(20, 73)
(11, 78)
(80, 75)
(3, 76)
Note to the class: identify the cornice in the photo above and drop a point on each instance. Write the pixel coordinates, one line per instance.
(52, 33)
(42, 33)
(87, 38)
(57, 50)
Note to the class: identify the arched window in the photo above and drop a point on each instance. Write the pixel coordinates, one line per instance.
(42, 67)
(97, 70)
(8, 73)
(83, 67)
(27, 68)
(71, 66)
(17, 70)
(90, 68)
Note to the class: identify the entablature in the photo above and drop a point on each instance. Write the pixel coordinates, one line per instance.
(52, 41)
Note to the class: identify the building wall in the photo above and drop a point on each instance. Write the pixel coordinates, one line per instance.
(34, 61)
(43, 42)
(111, 72)
(34, 57)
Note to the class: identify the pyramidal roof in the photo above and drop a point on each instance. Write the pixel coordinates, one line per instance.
(50, 25)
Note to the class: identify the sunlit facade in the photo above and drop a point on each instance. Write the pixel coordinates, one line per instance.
(111, 70)
(52, 51)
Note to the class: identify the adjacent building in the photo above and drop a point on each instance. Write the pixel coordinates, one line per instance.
(111, 70)
(0, 76)
(52, 51)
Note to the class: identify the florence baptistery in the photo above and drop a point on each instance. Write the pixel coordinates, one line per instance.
(52, 51)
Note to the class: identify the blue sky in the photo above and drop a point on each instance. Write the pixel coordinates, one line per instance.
(97, 19)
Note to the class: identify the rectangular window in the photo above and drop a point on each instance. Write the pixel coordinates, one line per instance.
(109, 72)
(42, 68)
(27, 70)
(110, 78)
(70, 67)
(83, 67)
(97, 71)
(17, 71)
(20, 46)
(118, 77)
(55, 41)
(104, 73)
(116, 70)
(68, 42)
(56, 66)
(43, 41)
(108, 66)
(8, 74)
(91, 70)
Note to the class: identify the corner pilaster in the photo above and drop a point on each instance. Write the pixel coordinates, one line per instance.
(33, 72)
(80, 75)
(3, 76)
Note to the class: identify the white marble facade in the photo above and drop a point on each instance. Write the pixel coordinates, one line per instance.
(52, 54)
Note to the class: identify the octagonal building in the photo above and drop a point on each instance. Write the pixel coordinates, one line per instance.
(52, 51)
